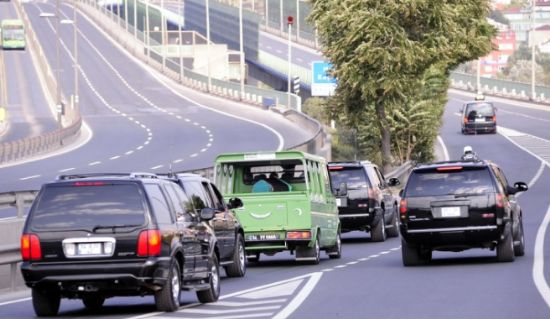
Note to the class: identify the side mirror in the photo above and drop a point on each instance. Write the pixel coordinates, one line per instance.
(342, 190)
(393, 182)
(235, 202)
(521, 186)
(207, 213)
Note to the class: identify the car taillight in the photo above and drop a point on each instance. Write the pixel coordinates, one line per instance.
(30, 247)
(149, 243)
(298, 235)
(499, 200)
(465, 120)
(403, 207)
(494, 118)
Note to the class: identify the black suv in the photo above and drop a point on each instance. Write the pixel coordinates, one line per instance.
(479, 116)
(97, 236)
(229, 231)
(457, 205)
(364, 198)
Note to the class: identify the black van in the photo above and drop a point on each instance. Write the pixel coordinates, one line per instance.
(479, 117)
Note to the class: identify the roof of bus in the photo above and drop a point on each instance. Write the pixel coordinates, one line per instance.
(266, 155)
(12, 22)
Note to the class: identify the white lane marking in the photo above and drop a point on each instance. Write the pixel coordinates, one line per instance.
(247, 303)
(444, 147)
(352, 263)
(327, 270)
(301, 297)
(374, 256)
(14, 301)
(215, 312)
(164, 81)
(385, 252)
(340, 266)
(66, 170)
(178, 160)
(538, 263)
(94, 163)
(115, 157)
(29, 177)
(157, 167)
(194, 155)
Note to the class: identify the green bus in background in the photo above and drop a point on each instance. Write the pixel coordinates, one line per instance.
(288, 203)
(13, 34)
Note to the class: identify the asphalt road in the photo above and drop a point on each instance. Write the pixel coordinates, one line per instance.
(28, 110)
(138, 120)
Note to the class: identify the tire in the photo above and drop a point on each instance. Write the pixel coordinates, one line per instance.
(505, 248)
(378, 231)
(519, 241)
(168, 298)
(93, 302)
(410, 254)
(238, 267)
(213, 292)
(336, 251)
(394, 230)
(45, 303)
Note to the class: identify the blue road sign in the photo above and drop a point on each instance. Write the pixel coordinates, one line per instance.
(322, 83)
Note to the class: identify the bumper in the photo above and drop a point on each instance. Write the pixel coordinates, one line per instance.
(113, 278)
(480, 127)
(472, 236)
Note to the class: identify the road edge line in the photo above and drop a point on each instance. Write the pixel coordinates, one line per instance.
(538, 262)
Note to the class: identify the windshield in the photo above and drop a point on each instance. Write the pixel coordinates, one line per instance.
(354, 177)
(479, 109)
(463, 182)
(85, 207)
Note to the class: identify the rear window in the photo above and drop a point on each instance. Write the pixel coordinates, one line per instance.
(479, 109)
(69, 207)
(475, 181)
(354, 177)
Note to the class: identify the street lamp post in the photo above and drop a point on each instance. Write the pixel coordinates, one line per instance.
(533, 6)
(57, 65)
(290, 20)
(76, 66)
(241, 47)
(207, 7)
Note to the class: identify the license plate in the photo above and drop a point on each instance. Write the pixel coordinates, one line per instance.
(450, 211)
(481, 120)
(89, 249)
(263, 237)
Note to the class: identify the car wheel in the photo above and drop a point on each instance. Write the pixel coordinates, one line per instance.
(378, 231)
(93, 302)
(168, 298)
(238, 267)
(336, 251)
(505, 248)
(410, 254)
(393, 231)
(213, 292)
(519, 241)
(45, 303)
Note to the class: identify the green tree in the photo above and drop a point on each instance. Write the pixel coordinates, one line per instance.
(378, 48)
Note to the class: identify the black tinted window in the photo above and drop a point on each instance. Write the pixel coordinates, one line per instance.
(460, 182)
(482, 109)
(354, 177)
(70, 207)
(159, 203)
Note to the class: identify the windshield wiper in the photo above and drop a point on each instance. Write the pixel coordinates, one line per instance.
(112, 227)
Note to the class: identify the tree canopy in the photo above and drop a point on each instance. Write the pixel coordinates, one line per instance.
(381, 52)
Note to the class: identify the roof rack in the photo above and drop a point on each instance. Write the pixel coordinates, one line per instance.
(85, 175)
(88, 175)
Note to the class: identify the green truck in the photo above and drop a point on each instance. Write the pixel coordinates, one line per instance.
(288, 203)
